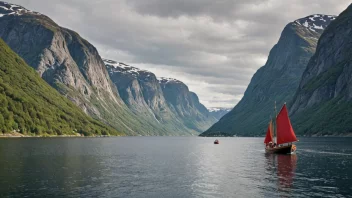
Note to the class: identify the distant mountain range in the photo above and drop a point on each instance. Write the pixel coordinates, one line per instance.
(166, 102)
(277, 80)
(218, 112)
(74, 67)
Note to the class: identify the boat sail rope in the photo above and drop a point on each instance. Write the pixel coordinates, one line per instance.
(284, 134)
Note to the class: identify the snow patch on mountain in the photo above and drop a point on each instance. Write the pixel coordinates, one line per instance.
(217, 109)
(167, 80)
(316, 22)
(114, 66)
(213, 109)
(7, 9)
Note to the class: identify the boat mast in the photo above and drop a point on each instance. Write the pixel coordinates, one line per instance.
(275, 127)
(271, 128)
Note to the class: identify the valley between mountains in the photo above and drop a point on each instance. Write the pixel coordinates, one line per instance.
(125, 98)
(54, 82)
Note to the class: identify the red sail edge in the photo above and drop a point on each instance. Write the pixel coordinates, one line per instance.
(285, 133)
(269, 134)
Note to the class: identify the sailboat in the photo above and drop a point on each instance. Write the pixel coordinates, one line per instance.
(285, 135)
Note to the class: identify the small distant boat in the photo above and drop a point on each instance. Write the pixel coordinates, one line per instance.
(216, 142)
(285, 135)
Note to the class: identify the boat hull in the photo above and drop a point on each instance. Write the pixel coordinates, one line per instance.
(281, 150)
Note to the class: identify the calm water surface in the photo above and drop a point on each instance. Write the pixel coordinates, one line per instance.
(172, 167)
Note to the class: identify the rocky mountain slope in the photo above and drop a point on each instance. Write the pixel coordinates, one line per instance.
(185, 104)
(73, 66)
(276, 81)
(323, 102)
(29, 105)
(167, 103)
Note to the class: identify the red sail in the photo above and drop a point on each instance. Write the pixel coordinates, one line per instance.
(285, 133)
(269, 134)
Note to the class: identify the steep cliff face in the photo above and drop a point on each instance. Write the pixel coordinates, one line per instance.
(56, 53)
(186, 105)
(276, 81)
(139, 89)
(322, 104)
(167, 103)
(71, 65)
(29, 105)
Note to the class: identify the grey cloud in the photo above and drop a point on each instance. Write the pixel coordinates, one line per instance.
(175, 8)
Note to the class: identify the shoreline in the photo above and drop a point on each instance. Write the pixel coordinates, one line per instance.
(304, 136)
(20, 135)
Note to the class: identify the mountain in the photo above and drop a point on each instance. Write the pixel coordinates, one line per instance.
(166, 103)
(74, 67)
(276, 81)
(66, 61)
(218, 113)
(185, 104)
(323, 102)
(29, 105)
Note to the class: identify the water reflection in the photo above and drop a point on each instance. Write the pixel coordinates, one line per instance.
(283, 167)
(44, 169)
(286, 166)
(171, 167)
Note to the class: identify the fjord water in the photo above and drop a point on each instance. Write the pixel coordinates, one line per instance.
(172, 167)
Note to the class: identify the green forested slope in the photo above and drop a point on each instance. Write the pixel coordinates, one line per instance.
(28, 104)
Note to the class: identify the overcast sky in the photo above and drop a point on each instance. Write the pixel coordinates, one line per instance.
(214, 46)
